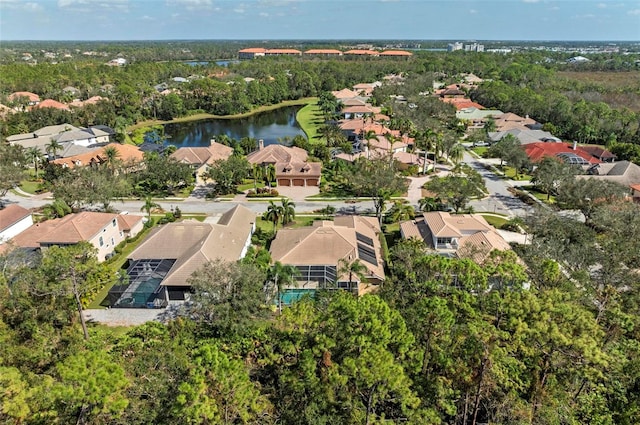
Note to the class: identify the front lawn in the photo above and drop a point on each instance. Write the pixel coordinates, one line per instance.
(494, 220)
(510, 173)
(539, 194)
(30, 186)
(310, 119)
(480, 150)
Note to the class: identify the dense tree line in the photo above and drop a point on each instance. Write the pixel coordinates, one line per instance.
(444, 341)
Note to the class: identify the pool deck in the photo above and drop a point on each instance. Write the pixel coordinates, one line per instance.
(131, 316)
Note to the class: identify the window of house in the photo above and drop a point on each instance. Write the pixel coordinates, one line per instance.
(114, 222)
(444, 241)
(113, 242)
(101, 241)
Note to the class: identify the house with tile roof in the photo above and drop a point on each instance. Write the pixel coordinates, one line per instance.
(50, 103)
(160, 267)
(200, 158)
(292, 167)
(102, 230)
(625, 173)
(396, 53)
(511, 121)
(458, 236)
(361, 52)
(599, 152)
(130, 156)
(525, 136)
(14, 220)
(568, 153)
(318, 252)
(322, 52)
(32, 98)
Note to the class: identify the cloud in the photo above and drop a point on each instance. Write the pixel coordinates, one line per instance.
(634, 12)
(148, 18)
(602, 5)
(263, 14)
(555, 8)
(585, 16)
(90, 5)
(191, 5)
(19, 4)
(239, 10)
(473, 11)
(530, 1)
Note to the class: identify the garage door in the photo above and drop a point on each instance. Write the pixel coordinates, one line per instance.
(298, 182)
(284, 182)
(312, 182)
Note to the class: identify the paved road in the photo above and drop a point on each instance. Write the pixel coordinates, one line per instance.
(500, 200)
(210, 207)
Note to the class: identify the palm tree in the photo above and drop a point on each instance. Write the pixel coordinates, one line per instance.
(355, 269)
(288, 211)
(401, 211)
(258, 174)
(53, 147)
(282, 275)
(270, 173)
(148, 206)
(34, 155)
(456, 153)
(369, 135)
(273, 214)
(428, 204)
(111, 157)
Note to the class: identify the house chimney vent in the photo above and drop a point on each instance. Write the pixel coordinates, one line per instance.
(260, 144)
(575, 145)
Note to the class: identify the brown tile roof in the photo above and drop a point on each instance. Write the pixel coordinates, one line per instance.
(344, 94)
(127, 153)
(75, 228)
(253, 50)
(396, 53)
(361, 52)
(323, 52)
(478, 246)
(192, 243)
(359, 109)
(272, 154)
(11, 214)
(50, 103)
(30, 237)
(326, 243)
(202, 155)
(127, 221)
(298, 169)
(32, 96)
(462, 103)
(353, 102)
(598, 152)
(443, 224)
(283, 52)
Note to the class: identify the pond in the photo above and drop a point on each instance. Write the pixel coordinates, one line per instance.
(269, 126)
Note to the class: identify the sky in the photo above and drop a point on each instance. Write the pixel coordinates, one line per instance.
(319, 19)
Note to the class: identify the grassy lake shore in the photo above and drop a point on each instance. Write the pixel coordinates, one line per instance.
(198, 117)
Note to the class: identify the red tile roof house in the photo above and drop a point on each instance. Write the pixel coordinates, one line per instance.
(251, 53)
(32, 98)
(292, 167)
(13, 220)
(102, 230)
(322, 52)
(50, 103)
(537, 151)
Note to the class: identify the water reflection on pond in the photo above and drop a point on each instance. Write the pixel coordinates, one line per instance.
(269, 126)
